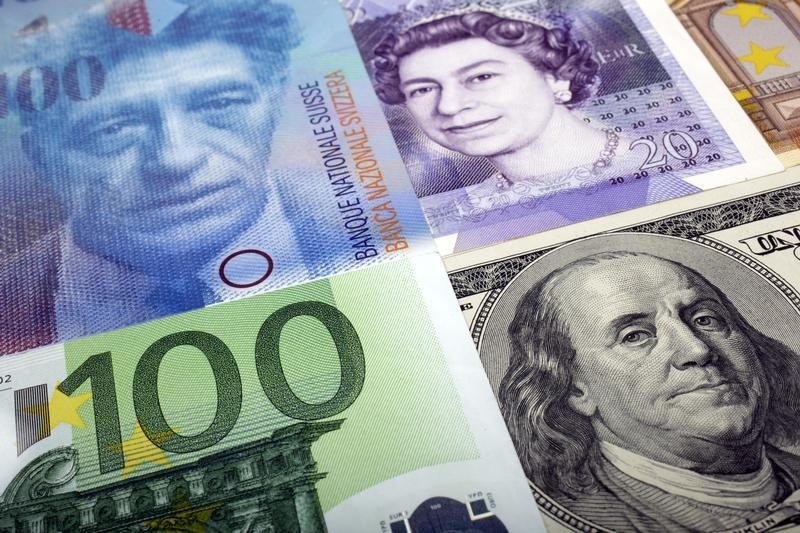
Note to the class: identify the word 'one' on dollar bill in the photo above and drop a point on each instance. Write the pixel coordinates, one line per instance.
(755, 47)
(159, 156)
(305, 410)
(517, 116)
(650, 375)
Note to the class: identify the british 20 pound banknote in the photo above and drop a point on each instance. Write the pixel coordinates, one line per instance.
(650, 375)
(163, 155)
(312, 409)
(517, 116)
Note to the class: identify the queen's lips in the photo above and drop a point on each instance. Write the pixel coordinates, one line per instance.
(472, 126)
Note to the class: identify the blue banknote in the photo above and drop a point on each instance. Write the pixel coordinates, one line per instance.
(158, 156)
(516, 116)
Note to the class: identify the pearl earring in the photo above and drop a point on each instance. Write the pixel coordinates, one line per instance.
(563, 96)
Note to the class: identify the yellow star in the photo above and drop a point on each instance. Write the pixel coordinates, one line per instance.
(63, 409)
(747, 12)
(762, 58)
(138, 450)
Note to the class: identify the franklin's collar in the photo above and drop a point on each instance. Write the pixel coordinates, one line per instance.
(748, 491)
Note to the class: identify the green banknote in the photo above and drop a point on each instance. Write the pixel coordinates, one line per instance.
(353, 403)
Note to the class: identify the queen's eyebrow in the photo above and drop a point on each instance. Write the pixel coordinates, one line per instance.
(481, 63)
(414, 81)
(459, 71)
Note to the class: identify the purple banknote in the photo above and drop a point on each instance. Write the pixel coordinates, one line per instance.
(517, 116)
(158, 156)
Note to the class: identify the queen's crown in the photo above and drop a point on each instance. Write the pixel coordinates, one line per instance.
(546, 13)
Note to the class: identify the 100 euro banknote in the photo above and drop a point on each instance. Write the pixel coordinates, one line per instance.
(517, 116)
(160, 156)
(649, 374)
(309, 409)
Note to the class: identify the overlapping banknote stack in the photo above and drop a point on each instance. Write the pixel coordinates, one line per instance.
(223, 305)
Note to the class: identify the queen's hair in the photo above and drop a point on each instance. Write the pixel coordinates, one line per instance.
(551, 51)
(555, 443)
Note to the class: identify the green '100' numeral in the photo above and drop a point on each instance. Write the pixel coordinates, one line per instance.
(99, 370)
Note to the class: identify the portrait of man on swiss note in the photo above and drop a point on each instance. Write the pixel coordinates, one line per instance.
(639, 398)
(157, 149)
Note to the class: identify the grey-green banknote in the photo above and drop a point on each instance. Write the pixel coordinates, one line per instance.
(649, 374)
(353, 403)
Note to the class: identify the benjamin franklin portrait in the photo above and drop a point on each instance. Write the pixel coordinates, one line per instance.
(650, 383)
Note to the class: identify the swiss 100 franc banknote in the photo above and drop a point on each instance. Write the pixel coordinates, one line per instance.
(650, 375)
(514, 117)
(159, 156)
(308, 409)
(755, 47)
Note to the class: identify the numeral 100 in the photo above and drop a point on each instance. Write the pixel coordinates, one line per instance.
(99, 371)
(45, 82)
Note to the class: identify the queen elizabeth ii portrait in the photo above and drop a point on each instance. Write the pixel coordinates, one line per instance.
(500, 88)
(510, 86)
(506, 89)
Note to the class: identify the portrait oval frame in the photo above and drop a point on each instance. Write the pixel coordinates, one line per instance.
(760, 295)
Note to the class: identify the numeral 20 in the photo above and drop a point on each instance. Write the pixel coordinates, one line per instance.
(100, 372)
(674, 149)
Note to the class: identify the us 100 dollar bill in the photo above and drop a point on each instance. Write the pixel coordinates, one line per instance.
(514, 117)
(159, 156)
(649, 375)
(755, 48)
(309, 409)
